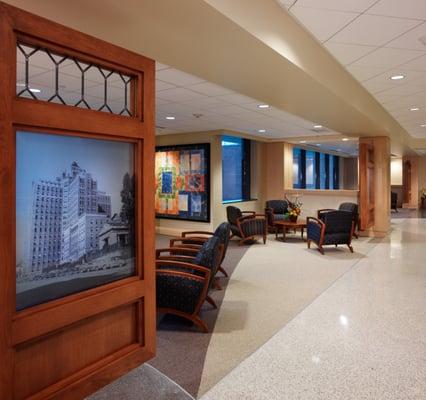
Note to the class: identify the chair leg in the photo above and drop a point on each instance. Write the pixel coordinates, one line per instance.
(211, 301)
(223, 271)
(321, 249)
(217, 284)
(350, 248)
(247, 239)
(309, 244)
(264, 239)
(200, 323)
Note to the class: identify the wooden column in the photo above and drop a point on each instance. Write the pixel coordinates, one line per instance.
(378, 202)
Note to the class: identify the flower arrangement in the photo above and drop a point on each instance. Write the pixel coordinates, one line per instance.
(294, 208)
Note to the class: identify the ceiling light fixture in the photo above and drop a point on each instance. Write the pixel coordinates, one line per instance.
(263, 106)
(318, 144)
(34, 90)
(397, 77)
(302, 141)
(261, 130)
(317, 126)
(414, 109)
(345, 139)
(171, 118)
(423, 125)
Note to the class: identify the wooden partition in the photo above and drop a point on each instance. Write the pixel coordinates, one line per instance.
(374, 186)
(69, 347)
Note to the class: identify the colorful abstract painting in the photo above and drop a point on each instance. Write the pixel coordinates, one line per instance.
(182, 182)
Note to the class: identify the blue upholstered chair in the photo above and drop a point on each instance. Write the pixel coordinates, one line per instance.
(195, 239)
(335, 227)
(274, 211)
(184, 277)
(246, 225)
(349, 207)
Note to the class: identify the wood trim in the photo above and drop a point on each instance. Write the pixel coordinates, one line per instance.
(37, 321)
(7, 201)
(42, 114)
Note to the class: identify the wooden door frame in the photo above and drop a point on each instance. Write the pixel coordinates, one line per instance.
(24, 328)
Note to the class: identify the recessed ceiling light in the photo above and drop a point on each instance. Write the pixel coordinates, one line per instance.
(261, 130)
(397, 77)
(318, 144)
(317, 126)
(345, 139)
(423, 125)
(263, 105)
(302, 141)
(170, 117)
(414, 109)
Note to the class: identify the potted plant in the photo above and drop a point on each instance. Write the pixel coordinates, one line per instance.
(294, 209)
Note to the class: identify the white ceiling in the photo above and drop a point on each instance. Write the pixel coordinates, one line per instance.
(375, 39)
(198, 105)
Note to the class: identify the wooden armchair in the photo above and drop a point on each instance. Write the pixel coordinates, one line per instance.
(195, 239)
(348, 207)
(208, 255)
(275, 211)
(247, 225)
(336, 228)
(182, 289)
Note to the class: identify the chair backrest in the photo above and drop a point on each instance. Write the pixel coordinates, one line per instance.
(350, 207)
(233, 213)
(279, 206)
(223, 232)
(208, 254)
(338, 222)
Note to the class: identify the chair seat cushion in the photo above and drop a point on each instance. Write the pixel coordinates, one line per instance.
(178, 292)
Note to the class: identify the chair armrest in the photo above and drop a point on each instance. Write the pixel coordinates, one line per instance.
(181, 264)
(188, 242)
(176, 251)
(184, 234)
(181, 258)
(314, 220)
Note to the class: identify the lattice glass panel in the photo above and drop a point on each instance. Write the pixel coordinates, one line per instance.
(47, 76)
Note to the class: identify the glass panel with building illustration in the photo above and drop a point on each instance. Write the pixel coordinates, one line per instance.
(74, 215)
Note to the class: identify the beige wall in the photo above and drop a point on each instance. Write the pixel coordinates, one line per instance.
(217, 209)
(396, 171)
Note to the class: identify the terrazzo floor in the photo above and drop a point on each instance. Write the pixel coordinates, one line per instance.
(362, 337)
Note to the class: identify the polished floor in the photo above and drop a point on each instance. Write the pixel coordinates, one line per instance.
(356, 332)
(363, 338)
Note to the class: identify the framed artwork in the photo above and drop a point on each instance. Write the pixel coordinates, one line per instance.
(75, 215)
(182, 174)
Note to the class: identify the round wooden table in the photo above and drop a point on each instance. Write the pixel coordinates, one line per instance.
(286, 225)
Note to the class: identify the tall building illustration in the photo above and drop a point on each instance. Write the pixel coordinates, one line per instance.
(68, 214)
